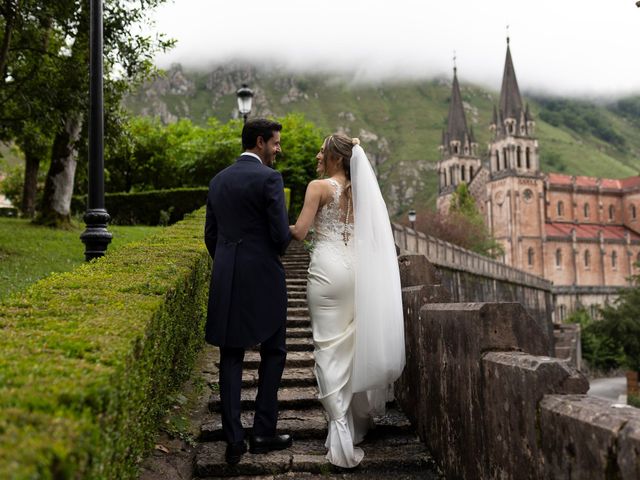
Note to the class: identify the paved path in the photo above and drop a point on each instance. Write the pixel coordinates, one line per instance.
(392, 450)
(608, 388)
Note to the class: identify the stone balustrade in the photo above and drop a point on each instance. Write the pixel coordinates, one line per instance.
(490, 401)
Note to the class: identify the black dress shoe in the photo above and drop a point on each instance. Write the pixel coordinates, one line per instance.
(234, 452)
(258, 444)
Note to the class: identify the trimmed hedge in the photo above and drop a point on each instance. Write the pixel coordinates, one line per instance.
(153, 207)
(88, 358)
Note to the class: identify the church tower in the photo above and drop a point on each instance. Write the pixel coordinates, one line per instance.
(459, 161)
(515, 188)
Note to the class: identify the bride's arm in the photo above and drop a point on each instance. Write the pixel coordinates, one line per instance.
(312, 199)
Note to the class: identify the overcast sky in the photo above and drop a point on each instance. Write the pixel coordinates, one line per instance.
(575, 47)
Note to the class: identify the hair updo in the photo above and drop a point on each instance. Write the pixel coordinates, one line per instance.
(340, 146)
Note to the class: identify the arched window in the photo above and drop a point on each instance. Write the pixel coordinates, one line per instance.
(530, 256)
(470, 173)
(560, 209)
(612, 211)
(558, 258)
(586, 210)
(497, 160)
(638, 260)
(634, 212)
(614, 259)
(462, 172)
(587, 258)
(451, 176)
(455, 148)
(527, 157)
(519, 156)
(504, 158)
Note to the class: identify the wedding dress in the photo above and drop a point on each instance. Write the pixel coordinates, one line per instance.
(355, 304)
(330, 295)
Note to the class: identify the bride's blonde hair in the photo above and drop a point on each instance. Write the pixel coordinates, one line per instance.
(340, 146)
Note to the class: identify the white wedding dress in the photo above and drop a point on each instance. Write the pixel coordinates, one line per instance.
(330, 295)
(355, 304)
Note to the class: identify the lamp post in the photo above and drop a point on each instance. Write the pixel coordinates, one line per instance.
(96, 237)
(245, 97)
(412, 218)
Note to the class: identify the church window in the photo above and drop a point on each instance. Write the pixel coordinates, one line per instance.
(455, 148)
(451, 177)
(470, 173)
(638, 260)
(614, 259)
(527, 194)
(633, 212)
(519, 156)
(530, 256)
(497, 160)
(560, 209)
(462, 173)
(562, 309)
(586, 210)
(504, 158)
(612, 212)
(527, 156)
(558, 258)
(587, 258)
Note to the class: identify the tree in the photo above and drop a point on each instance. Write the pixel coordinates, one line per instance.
(621, 324)
(44, 55)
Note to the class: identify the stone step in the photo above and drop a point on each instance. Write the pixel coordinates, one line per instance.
(398, 455)
(291, 377)
(294, 360)
(297, 294)
(301, 424)
(298, 322)
(294, 344)
(297, 281)
(297, 332)
(297, 311)
(310, 423)
(291, 398)
(297, 302)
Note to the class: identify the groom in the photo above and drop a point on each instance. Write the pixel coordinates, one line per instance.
(246, 232)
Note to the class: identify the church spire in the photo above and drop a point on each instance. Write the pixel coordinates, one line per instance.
(457, 124)
(510, 98)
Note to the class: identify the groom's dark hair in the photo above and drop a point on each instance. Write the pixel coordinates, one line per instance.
(258, 127)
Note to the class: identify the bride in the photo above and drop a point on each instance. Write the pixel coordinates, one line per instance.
(353, 292)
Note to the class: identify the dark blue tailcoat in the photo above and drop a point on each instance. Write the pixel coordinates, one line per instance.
(246, 232)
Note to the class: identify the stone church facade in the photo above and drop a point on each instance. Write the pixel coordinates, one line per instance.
(581, 233)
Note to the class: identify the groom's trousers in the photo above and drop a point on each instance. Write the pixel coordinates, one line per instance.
(273, 354)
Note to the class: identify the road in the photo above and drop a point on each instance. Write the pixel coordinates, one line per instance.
(608, 388)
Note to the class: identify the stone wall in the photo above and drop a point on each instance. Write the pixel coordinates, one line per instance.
(490, 402)
(474, 278)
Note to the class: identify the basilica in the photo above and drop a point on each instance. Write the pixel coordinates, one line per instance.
(580, 233)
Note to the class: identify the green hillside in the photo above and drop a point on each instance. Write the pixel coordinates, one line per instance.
(400, 123)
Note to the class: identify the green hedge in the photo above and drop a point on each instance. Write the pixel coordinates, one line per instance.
(88, 358)
(153, 207)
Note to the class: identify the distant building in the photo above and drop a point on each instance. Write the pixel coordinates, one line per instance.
(581, 233)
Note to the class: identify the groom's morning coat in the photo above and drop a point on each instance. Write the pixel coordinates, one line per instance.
(246, 231)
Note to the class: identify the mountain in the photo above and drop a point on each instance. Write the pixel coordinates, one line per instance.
(400, 123)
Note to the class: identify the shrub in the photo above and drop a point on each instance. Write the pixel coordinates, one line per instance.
(91, 356)
(154, 207)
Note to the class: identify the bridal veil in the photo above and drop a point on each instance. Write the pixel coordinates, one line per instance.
(379, 341)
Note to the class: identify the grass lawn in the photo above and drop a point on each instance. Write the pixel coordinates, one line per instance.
(29, 252)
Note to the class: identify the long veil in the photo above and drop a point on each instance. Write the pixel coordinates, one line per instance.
(379, 341)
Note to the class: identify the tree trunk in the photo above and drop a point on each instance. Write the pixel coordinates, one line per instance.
(30, 188)
(58, 187)
(10, 15)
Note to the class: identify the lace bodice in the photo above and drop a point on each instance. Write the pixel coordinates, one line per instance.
(329, 224)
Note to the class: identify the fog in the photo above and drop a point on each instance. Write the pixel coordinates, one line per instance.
(565, 47)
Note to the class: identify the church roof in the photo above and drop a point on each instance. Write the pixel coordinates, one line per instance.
(588, 231)
(583, 181)
(510, 98)
(457, 124)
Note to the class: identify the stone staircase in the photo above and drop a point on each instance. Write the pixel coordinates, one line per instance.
(392, 449)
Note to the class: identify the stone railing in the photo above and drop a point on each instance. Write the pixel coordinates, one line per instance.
(487, 398)
(446, 254)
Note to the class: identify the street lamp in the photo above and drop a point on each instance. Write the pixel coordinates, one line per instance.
(96, 237)
(245, 96)
(412, 218)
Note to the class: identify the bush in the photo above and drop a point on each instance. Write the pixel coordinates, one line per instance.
(91, 356)
(154, 207)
